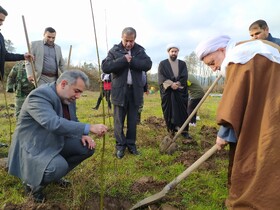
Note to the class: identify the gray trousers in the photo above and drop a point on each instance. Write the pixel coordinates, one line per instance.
(45, 79)
(72, 154)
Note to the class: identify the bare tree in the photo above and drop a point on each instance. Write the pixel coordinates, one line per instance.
(192, 62)
(203, 73)
(9, 46)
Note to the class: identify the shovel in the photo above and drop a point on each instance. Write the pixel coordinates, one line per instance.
(171, 185)
(168, 145)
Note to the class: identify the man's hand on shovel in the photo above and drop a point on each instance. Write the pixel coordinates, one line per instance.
(220, 143)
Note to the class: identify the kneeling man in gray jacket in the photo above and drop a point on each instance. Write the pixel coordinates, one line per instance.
(49, 141)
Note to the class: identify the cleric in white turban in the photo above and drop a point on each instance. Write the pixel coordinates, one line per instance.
(211, 45)
(172, 45)
(234, 52)
(248, 114)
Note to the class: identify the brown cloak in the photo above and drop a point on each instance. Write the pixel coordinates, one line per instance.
(251, 105)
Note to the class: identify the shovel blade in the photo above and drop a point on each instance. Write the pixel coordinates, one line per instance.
(151, 199)
(168, 146)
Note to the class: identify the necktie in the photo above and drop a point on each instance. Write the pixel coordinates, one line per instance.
(129, 78)
(66, 113)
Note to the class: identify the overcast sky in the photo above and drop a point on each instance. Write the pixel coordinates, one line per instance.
(157, 22)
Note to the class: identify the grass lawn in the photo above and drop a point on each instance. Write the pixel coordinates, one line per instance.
(127, 181)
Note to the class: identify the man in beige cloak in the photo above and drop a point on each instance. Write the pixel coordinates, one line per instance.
(249, 115)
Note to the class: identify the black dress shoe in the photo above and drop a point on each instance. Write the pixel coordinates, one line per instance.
(63, 183)
(3, 145)
(186, 136)
(27, 189)
(120, 154)
(134, 152)
(38, 195)
(35, 192)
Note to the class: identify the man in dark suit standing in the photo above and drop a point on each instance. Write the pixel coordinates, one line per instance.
(49, 141)
(126, 61)
(7, 56)
(4, 55)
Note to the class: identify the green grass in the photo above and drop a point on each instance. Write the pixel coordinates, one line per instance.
(203, 189)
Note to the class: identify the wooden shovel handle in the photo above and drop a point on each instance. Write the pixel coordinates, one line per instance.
(29, 51)
(179, 178)
(197, 107)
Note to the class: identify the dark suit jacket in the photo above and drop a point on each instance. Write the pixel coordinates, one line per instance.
(116, 63)
(40, 133)
(6, 56)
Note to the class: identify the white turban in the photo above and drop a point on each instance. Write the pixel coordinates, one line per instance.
(172, 45)
(211, 45)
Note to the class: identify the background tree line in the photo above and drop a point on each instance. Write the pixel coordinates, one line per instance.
(202, 72)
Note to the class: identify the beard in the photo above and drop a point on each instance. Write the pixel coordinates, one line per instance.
(173, 57)
(67, 101)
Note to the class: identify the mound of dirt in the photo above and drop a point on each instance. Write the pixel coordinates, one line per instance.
(93, 203)
(147, 184)
(110, 203)
(192, 151)
(33, 206)
(155, 121)
(208, 136)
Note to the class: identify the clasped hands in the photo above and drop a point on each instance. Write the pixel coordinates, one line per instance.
(128, 57)
(175, 85)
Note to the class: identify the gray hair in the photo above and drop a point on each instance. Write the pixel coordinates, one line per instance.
(3, 11)
(129, 31)
(72, 75)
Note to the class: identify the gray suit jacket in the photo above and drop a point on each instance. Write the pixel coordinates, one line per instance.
(40, 134)
(37, 49)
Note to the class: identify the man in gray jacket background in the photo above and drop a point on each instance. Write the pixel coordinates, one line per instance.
(48, 59)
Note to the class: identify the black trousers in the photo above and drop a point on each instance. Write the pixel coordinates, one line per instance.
(232, 148)
(191, 106)
(107, 95)
(72, 154)
(128, 111)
